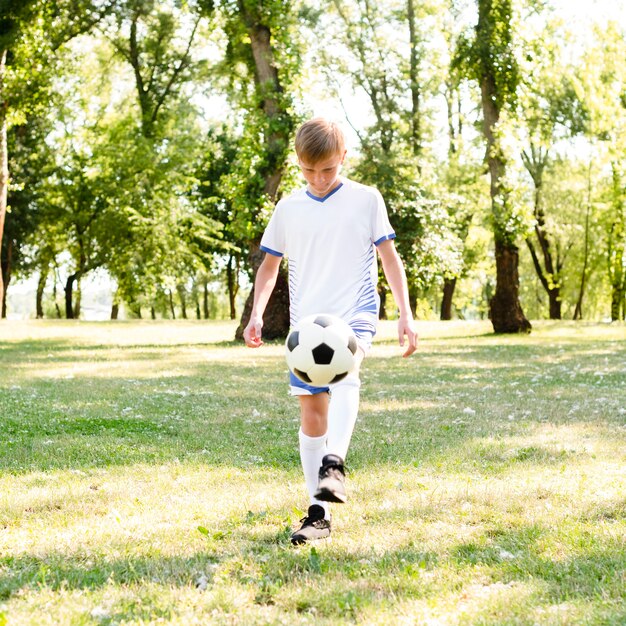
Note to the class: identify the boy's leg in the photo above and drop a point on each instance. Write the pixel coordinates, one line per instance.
(312, 436)
(343, 411)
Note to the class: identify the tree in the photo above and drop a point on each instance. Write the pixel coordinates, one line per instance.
(578, 310)
(214, 168)
(381, 50)
(616, 256)
(146, 36)
(157, 42)
(16, 15)
(489, 59)
(553, 112)
(607, 92)
(31, 32)
(263, 49)
(30, 159)
(460, 177)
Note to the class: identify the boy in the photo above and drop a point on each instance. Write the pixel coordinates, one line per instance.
(330, 232)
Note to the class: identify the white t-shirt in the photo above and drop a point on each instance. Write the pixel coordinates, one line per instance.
(330, 244)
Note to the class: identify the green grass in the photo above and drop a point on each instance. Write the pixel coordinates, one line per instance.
(149, 474)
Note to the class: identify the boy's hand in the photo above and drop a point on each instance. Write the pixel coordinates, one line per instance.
(405, 329)
(252, 332)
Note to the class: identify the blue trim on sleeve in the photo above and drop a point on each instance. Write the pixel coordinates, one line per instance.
(385, 238)
(270, 251)
(328, 195)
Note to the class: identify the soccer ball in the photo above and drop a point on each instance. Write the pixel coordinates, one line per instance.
(320, 350)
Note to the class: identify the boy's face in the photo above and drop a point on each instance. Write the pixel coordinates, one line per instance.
(322, 176)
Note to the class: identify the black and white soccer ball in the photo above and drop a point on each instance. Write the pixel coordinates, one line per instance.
(320, 349)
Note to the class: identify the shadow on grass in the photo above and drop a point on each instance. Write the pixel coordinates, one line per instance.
(47, 350)
(596, 570)
(219, 412)
(333, 582)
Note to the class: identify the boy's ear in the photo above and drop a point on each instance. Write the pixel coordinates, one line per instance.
(343, 158)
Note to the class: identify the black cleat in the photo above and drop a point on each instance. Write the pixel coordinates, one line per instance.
(331, 487)
(314, 526)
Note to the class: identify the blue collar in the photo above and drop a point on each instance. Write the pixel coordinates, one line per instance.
(328, 195)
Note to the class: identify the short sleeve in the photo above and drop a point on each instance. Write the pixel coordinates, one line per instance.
(381, 227)
(273, 240)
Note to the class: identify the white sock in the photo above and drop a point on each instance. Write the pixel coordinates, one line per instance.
(342, 413)
(312, 451)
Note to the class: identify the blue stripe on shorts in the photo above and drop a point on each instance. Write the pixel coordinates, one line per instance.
(299, 384)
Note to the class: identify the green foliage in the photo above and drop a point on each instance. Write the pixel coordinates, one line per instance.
(103, 117)
(29, 163)
(489, 56)
(568, 187)
(263, 90)
(605, 85)
(15, 16)
(156, 41)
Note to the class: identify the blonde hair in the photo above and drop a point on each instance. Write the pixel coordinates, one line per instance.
(319, 139)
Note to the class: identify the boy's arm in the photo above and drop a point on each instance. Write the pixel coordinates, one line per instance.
(263, 286)
(396, 277)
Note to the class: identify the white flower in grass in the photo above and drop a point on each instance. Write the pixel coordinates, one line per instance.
(202, 582)
(100, 613)
(505, 555)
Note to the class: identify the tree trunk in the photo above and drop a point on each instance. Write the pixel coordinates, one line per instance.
(41, 285)
(492, 30)
(382, 294)
(505, 311)
(278, 129)
(554, 296)
(616, 256)
(617, 298)
(413, 297)
(452, 140)
(115, 311)
(545, 278)
(171, 302)
(78, 299)
(232, 276)
(205, 298)
(54, 296)
(266, 74)
(415, 121)
(6, 269)
(69, 291)
(276, 316)
(449, 285)
(4, 168)
(578, 311)
(535, 162)
(182, 295)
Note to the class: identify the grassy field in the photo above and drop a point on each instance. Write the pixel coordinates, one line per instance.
(149, 474)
